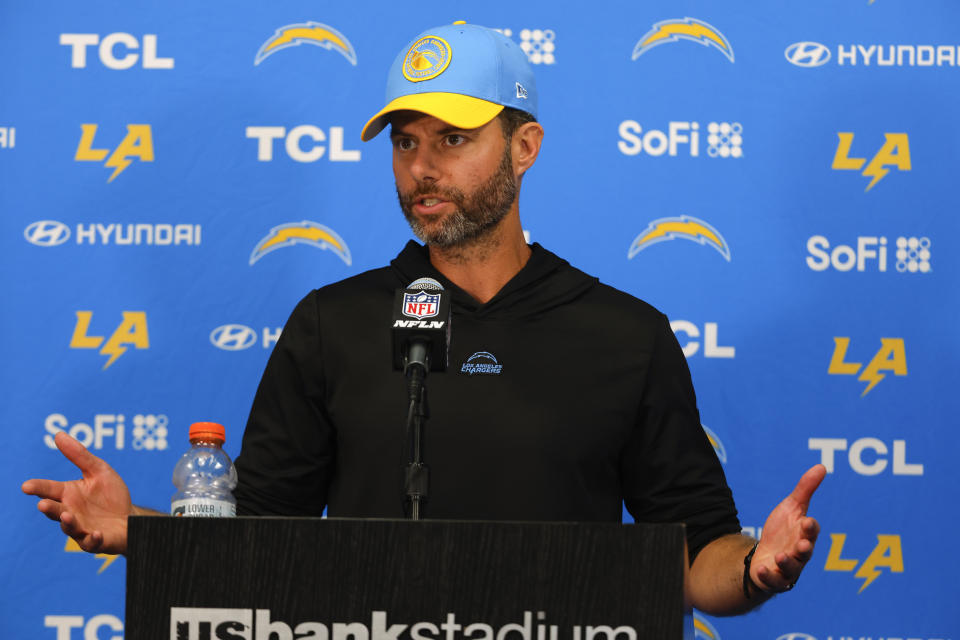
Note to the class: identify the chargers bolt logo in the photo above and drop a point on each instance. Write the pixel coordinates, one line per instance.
(807, 54)
(304, 232)
(315, 33)
(426, 59)
(685, 227)
(715, 441)
(683, 29)
(482, 362)
(47, 233)
(233, 337)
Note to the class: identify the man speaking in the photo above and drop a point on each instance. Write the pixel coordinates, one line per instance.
(585, 403)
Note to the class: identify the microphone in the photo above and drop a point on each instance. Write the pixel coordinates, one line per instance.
(421, 328)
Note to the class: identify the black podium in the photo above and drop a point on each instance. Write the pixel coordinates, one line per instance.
(344, 579)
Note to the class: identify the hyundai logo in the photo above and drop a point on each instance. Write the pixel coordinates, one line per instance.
(233, 337)
(807, 54)
(47, 233)
(796, 636)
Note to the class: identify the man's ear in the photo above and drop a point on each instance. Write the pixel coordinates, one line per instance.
(525, 146)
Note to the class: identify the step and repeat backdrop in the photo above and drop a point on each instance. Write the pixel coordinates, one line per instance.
(779, 178)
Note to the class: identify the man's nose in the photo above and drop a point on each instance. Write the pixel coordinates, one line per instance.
(423, 165)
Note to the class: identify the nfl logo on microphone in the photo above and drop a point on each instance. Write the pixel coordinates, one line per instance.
(420, 305)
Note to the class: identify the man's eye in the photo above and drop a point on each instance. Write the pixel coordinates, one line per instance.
(455, 139)
(403, 144)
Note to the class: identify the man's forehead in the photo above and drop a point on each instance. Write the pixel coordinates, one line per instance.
(402, 120)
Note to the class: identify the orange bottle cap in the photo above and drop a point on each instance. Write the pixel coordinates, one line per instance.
(207, 431)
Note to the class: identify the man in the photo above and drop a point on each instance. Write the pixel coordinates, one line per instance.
(588, 407)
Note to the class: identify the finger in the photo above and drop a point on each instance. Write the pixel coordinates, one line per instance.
(804, 551)
(808, 484)
(77, 453)
(50, 508)
(811, 529)
(789, 566)
(773, 580)
(52, 489)
(769, 580)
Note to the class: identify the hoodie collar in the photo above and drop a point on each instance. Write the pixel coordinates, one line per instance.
(545, 281)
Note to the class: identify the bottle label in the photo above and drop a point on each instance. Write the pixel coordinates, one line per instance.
(203, 507)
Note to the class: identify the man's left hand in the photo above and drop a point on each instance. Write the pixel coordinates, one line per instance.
(788, 537)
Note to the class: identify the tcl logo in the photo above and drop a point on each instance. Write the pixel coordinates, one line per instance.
(108, 47)
(91, 628)
(874, 463)
(711, 346)
(295, 146)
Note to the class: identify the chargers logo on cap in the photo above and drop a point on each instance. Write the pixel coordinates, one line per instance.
(683, 29)
(426, 59)
(306, 232)
(421, 305)
(313, 33)
(683, 227)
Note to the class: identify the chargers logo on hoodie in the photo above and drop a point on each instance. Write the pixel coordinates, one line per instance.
(482, 362)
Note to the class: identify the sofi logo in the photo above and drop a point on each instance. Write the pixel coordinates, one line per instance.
(887, 555)
(869, 253)
(724, 139)
(109, 431)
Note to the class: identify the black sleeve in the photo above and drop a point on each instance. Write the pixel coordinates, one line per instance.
(669, 468)
(289, 446)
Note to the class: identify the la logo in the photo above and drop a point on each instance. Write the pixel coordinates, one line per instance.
(138, 144)
(895, 152)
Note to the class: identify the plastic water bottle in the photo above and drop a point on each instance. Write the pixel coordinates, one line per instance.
(205, 476)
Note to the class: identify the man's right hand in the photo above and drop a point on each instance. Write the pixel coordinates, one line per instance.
(93, 511)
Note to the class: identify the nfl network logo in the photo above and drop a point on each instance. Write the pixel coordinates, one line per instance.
(421, 305)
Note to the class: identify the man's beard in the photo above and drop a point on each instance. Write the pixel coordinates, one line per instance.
(475, 216)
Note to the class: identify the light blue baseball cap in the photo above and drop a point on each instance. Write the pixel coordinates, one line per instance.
(462, 74)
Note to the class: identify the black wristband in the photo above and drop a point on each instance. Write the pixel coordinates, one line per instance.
(747, 580)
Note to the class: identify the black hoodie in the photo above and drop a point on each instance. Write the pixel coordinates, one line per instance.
(564, 399)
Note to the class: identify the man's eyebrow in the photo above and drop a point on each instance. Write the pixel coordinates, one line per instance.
(396, 132)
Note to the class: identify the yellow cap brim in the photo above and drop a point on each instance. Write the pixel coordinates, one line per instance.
(463, 112)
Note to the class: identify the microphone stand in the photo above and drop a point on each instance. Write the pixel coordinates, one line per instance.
(417, 475)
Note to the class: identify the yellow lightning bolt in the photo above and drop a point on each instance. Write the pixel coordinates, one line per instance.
(108, 558)
(871, 375)
(119, 163)
(313, 234)
(699, 625)
(694, 30)
(114, 350)
(876, 171)
(318, 34)
(687, 227)
(868, 573)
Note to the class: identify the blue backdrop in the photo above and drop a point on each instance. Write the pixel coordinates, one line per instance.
(778, 178)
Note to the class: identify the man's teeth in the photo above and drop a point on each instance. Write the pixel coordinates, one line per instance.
(429, 202)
